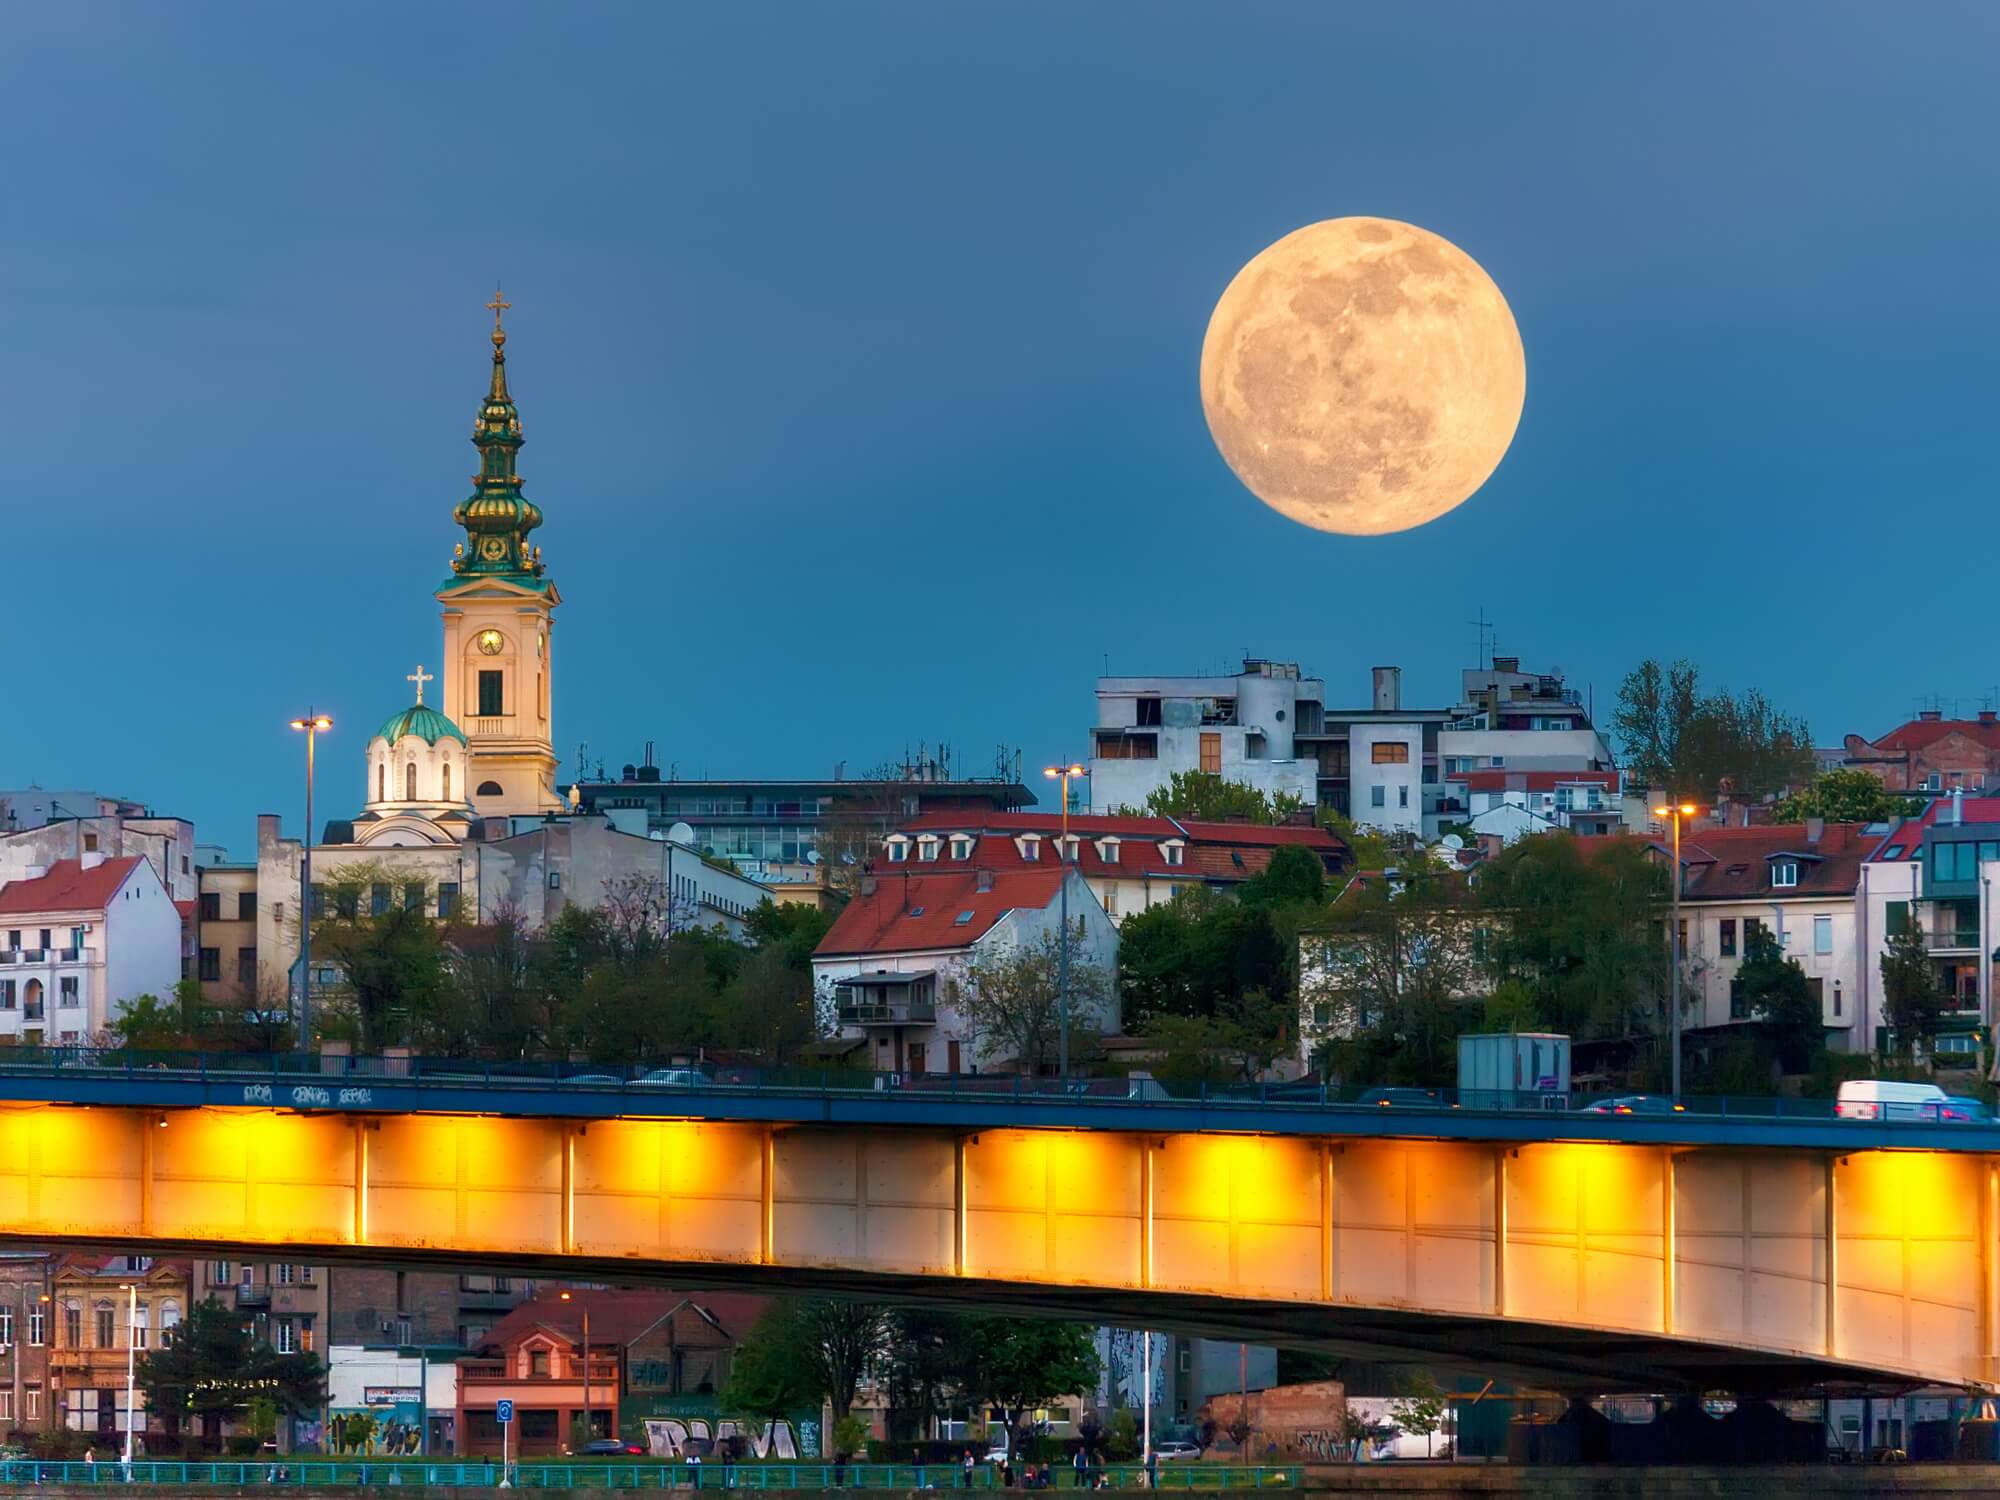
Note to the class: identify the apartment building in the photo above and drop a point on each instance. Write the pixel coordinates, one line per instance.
(226, 933)
(79, 939)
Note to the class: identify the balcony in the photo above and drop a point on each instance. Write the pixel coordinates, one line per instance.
(904, 1011)
(1952, 942)
(80, 955)
(31, 1015)
(252, 1298)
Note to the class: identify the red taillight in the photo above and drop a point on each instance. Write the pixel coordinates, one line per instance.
(1622, 1109)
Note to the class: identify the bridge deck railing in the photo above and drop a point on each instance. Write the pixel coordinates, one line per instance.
(642, 1474)
(630, 1083)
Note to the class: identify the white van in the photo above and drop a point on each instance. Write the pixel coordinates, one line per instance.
(1881, 1099)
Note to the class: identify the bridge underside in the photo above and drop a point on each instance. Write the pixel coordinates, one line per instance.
(1580, 1265)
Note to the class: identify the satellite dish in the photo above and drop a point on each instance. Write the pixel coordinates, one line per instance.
(812, 856)
(681, 833)
(1453, 842)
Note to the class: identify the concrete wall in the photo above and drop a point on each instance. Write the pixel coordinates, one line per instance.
(1401, 783)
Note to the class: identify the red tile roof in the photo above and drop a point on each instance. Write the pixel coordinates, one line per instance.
(1725, 864)
(1907, 834)
(1501, 780)
(618, 1317)
(1921, 732)
(1213, 851)
(919, 910)
(67, 887)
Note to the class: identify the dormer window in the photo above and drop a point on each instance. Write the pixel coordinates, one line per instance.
(1068, 844)
(927, 847)
(1030, 845)
(1784, 872)
(897, 848)
(1173, 851)
(961, 846)
(1107, 850)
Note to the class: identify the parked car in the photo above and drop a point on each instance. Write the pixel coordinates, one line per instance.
(1176, 1448)
(600, 1079)
(1404, 1098)
(1635, 1104)
(1887, 1099)
(676, 1078)
(613, 1448)
(1963, 1109)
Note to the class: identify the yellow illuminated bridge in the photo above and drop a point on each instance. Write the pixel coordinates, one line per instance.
(1645, 1252)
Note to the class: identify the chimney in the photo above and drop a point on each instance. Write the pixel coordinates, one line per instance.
(1815, 831)
(1930, 716)
(867, 885)
(1506, 663)
(1388, 688)
(92, 858)
(269, 829)
(1957, 805)
(982, 880)
(1987, 716)
(34, 872)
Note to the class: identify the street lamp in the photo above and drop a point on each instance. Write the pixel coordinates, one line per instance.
(1063, 775)
(1677, 813)
(131, 1290)
(314, 724)
(588, 1434)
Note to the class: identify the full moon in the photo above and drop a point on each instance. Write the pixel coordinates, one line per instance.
(1362, 376)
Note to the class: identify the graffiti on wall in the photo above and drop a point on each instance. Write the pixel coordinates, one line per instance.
(668, 1437)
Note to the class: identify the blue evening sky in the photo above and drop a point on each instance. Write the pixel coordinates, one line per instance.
(856, 347)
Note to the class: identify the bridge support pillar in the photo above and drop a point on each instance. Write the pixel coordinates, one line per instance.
(1831, 1232)
(1500, 1231)
(1668, 1252)
(767, 1216)
(149, 1126)
(360, 1182)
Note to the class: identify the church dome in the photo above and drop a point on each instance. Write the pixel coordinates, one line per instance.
(423, 721)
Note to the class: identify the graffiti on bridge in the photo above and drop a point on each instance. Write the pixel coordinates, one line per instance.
(668, 1437)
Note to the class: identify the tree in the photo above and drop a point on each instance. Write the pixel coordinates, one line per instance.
(1388, 979)
(767, 1006)
(1912, 998)
(1011, 1000)
(1292, 876)
(1775, 990)
(390, 953)
(794, 929)
(1371, 849)
(802, 1350)
(208, 1368)
(1845, 797)
(1574, 922)
(1018, 1363)
(1421, 1409)
(151, 1024)
(1206, 797)
(1678, 739)
(922, 1366)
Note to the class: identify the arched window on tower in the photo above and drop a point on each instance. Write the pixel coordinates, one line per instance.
(489, 789)
(410, 782)
(447, 781)
(381, 781)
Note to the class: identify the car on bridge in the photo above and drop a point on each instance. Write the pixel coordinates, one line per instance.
(1635, 1104)
(1405, 1098)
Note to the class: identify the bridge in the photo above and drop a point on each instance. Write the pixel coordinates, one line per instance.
(1781, 1249)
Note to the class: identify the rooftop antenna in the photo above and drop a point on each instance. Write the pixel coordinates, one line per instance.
(1482, 625)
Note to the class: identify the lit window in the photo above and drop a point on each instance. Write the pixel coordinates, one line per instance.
(1389, 753)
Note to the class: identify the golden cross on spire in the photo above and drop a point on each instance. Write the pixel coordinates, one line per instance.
(420, 677)
(498, 305)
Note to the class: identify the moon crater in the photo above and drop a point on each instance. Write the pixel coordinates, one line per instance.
(1362, 376)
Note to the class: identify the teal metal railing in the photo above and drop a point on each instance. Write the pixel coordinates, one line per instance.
(639, 1475)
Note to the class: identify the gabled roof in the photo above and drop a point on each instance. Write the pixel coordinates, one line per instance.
(1935, 820)
(68, 886)
(619, 1317)
(920, 910)
(1724, 864)
(1918, 733)
(1213, 851)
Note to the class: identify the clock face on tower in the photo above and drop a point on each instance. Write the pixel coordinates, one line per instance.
(490, 642)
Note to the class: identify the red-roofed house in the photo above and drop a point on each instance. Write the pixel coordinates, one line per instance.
(1796, 881)
(644, 1347)
(1931, 753)
(892, 967)
(80, 938)
(1131, 861)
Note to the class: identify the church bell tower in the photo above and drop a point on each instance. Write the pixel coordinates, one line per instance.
(499, 610)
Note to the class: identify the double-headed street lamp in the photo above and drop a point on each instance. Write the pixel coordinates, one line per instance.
(314, 724)
(1677, 813)
(1063, 774)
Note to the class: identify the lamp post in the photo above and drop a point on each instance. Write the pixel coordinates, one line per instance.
(1063, 774)
(588, 1434)
(313, 723)
(1677, 812)
(131, 1290)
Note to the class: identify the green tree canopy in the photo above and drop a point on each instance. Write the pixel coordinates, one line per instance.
(1912, 998)
(1011, 1000)
(1574, 924)
(1774, 988)
(1294, 875)
(1208, 798)
(804, 1349)
(209, 1369)
(1845, 797)
(1018, 1363)
(1679, 739)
